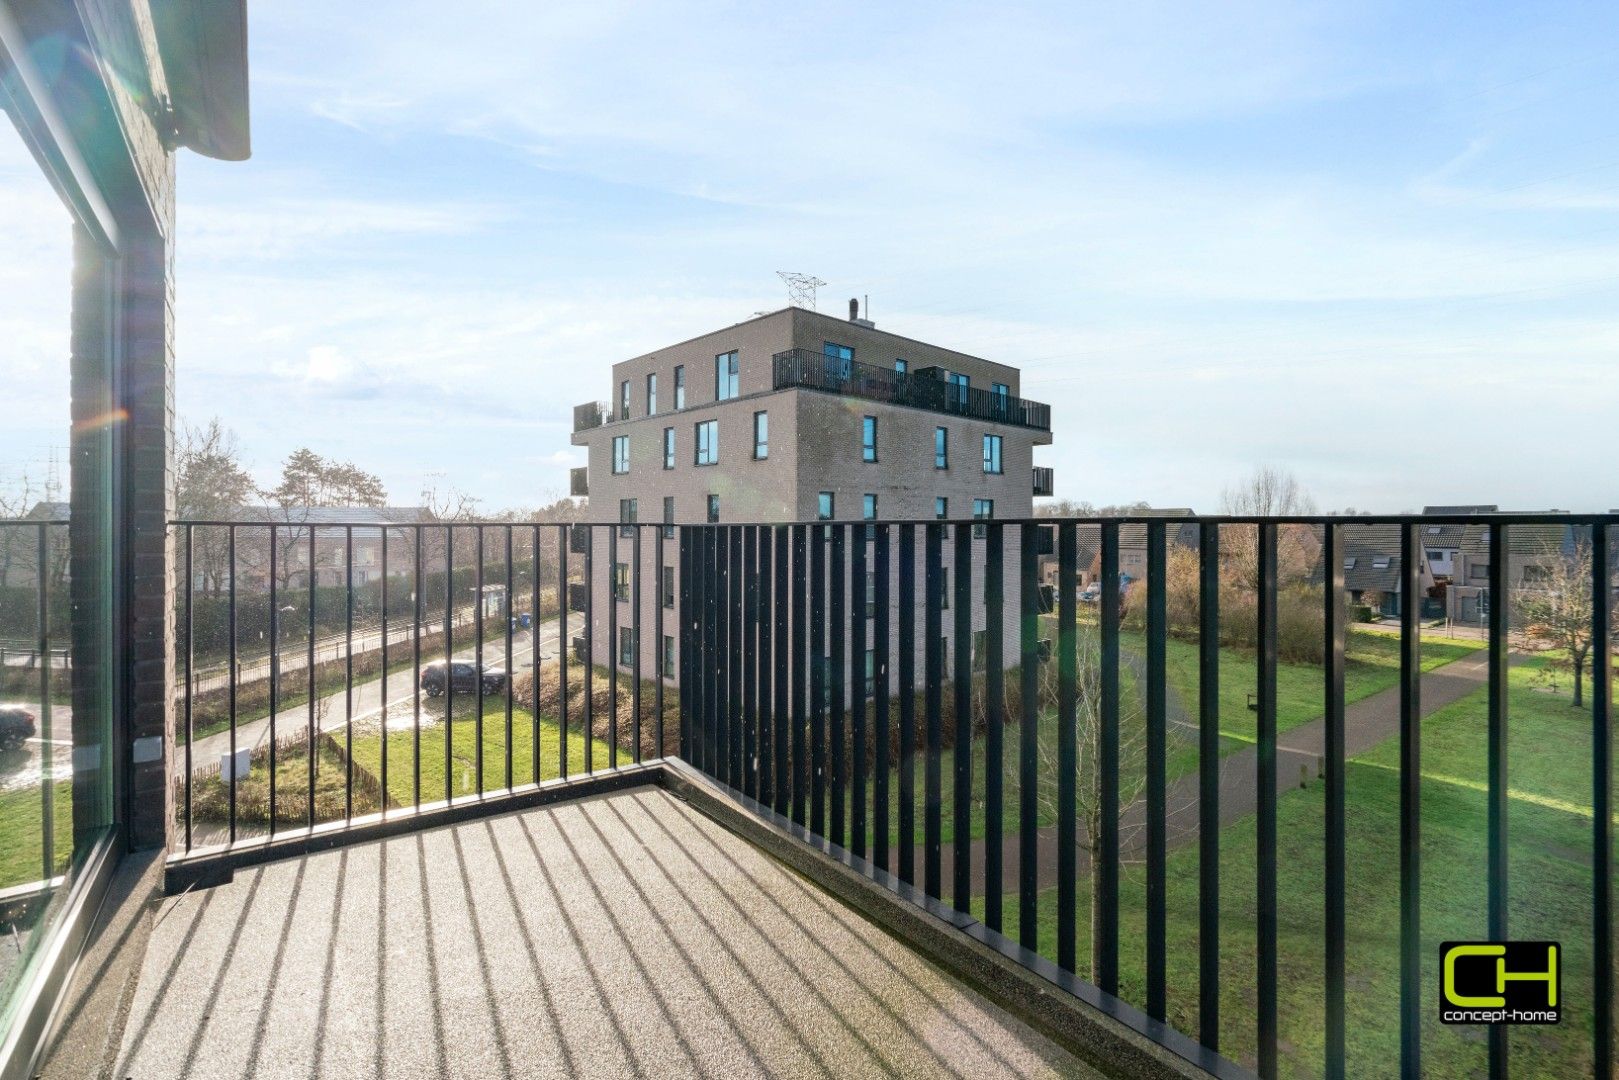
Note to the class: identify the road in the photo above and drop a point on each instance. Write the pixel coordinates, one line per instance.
(210, 749)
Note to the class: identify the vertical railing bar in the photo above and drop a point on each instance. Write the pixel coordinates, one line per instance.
(761, 617)
(1496, 757)
(382, 683)
(683, 634)
(477, 665)
(612, 647)
(733, 655)
(994, 722)
(275, 663)
(590, 649)
(312, 747)
(1601, 799)
(534, 654)
(708, 664)
(932, 709)
(882, 696)
(657, 633)
(635, 632)
(348, 676)
(837, 647)
(860, 694)
(1336, 649)
(564, 643)
(1266, 830)
(722, 653)
(1208, 786)
(961, 752)
(418, 614)
(47, 752)
(191, 657)
(907, 704)
(449, 661)
(509, 666)
(232, 674)
(818, 666)
(747, 658)
(1106, 872)
(1157, 747)
(1028, 739)
(1410, 805)
(1067, 743)
(782, 682)
(691, 623)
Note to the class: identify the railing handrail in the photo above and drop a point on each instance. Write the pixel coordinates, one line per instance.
(805, 368)
(1527, 517)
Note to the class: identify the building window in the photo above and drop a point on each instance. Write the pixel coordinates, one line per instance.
(624, 400)
(983, 510)
(652, 393)
(626, 646)
(941, 507)
(668, 656)
(708, 442)
(761, 435)
(992, 453)
(669, 517)
(900, 367)
(668, 586)
(871, 594)
(727, 376)
(621, 581)
(941, 448)
(956, 392)
(713, 509)
(824, 506)
(668, 448)
(680, 386)
(868, 510)
(871, 672)
(1435, 556)
(868, 438)
(627, 514)
(1479, 571)
(841, 357)
(621, 453)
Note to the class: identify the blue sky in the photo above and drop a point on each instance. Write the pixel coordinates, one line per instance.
(1377, 244)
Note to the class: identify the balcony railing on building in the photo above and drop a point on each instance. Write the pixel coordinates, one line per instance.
(995, 741)
(591, 414)
(1044, 483)
(923, 389)
(579, 481)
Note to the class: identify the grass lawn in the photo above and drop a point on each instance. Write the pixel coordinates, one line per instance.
(21, 836)
(1550, 890)
(1373, 665)
(401, 744)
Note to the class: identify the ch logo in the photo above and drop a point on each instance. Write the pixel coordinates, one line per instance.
(1499, 982)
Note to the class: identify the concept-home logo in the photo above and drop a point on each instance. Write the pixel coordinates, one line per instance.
(1500, 982)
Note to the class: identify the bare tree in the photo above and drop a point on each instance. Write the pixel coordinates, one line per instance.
(1554, 612)
(211, 483)
(1268, 492)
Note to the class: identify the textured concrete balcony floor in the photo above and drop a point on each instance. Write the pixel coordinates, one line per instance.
(625, 935)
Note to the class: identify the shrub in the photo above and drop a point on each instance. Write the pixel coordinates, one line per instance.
(16, 726)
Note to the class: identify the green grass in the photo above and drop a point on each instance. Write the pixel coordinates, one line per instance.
(1372, 666)
(22, 836)
(463, 748)
(1550, 883)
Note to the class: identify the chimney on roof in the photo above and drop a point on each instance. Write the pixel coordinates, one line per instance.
(854, 314)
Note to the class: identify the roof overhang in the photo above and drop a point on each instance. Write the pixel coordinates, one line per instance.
(203, 44)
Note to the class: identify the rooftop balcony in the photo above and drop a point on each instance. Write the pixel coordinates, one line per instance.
(927, 389)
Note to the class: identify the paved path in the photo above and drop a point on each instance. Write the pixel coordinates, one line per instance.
(1367, 722)
(208, 751)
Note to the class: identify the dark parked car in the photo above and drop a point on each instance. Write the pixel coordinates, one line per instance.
(464, 677)
(16, 727)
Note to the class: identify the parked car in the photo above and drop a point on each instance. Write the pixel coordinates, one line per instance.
(16, 727)
(1090, 593)
(464, 677)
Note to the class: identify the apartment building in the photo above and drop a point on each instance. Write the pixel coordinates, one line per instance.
(797, 416)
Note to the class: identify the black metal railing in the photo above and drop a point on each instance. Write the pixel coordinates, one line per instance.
(463, 688)
(591, 414)
(579, 481)
(1214, 842)
(1044, 481)
(812, 370)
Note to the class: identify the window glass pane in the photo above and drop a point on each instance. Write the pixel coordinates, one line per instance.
(57, 552)
(823, 506)
(680, 386)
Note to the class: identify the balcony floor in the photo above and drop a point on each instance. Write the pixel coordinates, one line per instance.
(620, 935)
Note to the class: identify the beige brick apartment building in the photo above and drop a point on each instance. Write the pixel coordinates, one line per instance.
(800, 416)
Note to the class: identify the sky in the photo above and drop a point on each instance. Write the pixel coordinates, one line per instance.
(1374, 244)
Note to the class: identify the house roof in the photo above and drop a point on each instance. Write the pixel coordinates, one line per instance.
(1453, 535)
(1528, 540)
